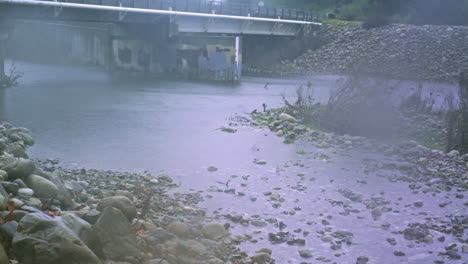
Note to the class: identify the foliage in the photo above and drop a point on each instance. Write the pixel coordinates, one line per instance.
(11, 79)
(451, 12)
(376, 21)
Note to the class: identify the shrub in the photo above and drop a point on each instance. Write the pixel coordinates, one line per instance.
(375, 21)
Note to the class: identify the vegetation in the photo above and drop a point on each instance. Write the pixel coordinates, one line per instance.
(451, 12)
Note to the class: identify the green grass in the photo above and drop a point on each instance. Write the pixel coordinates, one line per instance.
(432, 140)
(302, 152)
(341, 23)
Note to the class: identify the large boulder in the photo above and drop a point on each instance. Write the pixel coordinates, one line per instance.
(115, 235)
(42, 239)
(16, 167)
(122, 203)
(43, 188)
(84, 231)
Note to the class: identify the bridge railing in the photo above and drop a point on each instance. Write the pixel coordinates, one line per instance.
(210, 7)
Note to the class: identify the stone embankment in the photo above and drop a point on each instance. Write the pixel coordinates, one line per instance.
(444, 171)
(52, 215)
(436, 53)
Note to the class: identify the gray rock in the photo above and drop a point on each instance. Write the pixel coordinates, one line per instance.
(3, 175)
(115, 234)
(17, 150)
(214, 231)
(362, 260)
(10, 187)
(42, 239)
(25, 192)
(16, 167)
(179, 228)
(286, 117)
(261, 258)
(92, 216)
(122, 203)
(43, 188)
(305, 253)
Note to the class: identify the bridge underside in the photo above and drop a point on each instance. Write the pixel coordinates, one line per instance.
(203, 46)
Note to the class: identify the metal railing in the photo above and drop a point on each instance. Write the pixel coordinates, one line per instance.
(210, 7)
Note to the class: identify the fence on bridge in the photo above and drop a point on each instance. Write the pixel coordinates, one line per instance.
(210, 7)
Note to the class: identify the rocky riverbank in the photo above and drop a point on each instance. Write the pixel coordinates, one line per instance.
(425, 171)
(435, 168)
(54, 215)
(435, 53)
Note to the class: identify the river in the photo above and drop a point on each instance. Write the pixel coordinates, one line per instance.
(82, 117)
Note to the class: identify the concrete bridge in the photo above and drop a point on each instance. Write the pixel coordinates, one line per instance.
(193, 38)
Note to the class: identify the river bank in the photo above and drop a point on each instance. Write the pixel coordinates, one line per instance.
(435, 53)
(51, 214)
(255, 182)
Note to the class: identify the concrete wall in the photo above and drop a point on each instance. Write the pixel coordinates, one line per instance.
(51, 41)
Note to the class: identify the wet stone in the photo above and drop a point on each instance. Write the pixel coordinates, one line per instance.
(362, 260)
(305, 253)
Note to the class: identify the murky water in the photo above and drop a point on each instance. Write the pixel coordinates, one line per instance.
(88, 120)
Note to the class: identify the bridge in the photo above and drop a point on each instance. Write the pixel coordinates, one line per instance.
(198, 38)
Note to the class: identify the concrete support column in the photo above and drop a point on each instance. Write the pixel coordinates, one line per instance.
(4, 34)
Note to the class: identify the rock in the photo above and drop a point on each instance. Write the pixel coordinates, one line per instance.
(3, 175)
(92, 216)
(362, 260)
(10, 187)
(418, 204)
(42, 239)
(25, 192)
(228, 129)
(454, 154)
(305, 253)
(215, 231)
(178, 228)
(262, 258)
(391, 241)
(286, 117)
(122, 203)
(212, 169)
(258, 223)
(17, 203)
(27, 139)
(17, 150)
(16, 167)
(453, 254)
(158, 235)
(260, 162)
(415, 233)
(43, 188)
(351, 195)
(115, 234)
(4, 197)
(399, 253)
(3, 255)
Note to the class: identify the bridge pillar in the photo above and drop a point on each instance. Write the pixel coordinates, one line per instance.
(3, 38)
(155, 52)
